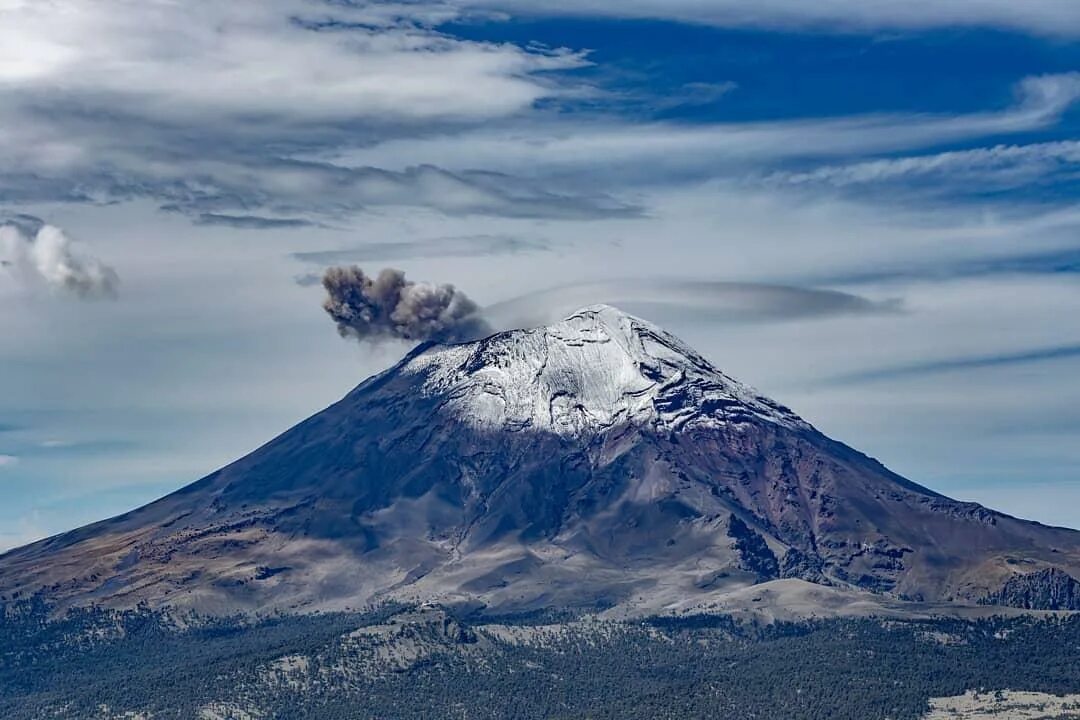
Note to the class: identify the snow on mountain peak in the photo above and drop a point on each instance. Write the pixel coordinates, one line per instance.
(596, 369)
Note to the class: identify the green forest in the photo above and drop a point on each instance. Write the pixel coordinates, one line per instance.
(665, 667)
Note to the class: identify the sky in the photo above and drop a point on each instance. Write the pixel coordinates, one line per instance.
(868, 210)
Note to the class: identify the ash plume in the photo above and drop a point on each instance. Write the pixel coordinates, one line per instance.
(389, 306)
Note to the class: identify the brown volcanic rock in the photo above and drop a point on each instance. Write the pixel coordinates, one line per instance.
(594, 462)
(1046, 589)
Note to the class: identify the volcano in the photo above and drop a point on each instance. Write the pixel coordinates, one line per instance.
(594, 462)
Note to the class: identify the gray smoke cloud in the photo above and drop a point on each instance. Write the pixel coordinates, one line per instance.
(389, 306)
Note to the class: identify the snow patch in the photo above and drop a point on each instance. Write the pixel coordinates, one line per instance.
(597, 369)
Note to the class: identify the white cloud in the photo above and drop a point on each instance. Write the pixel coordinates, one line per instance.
(299, 110)
(8, 461)
(1046, 17)
(1000, 164)
(621, 152)
(105, 100)
(204, 106)
(285, 59)
(666, 298)
(49, 258)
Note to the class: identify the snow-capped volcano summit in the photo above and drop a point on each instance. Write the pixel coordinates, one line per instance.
(594, 461)
(597, 369)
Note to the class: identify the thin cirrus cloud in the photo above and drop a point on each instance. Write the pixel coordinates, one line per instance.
(992, 240)
(305, 192)
(461, 246)
(628, 153)
(1051, 262)
(1044, 17)
(251, 222)
(1000, 165)
(331, 190)
(1023, 357)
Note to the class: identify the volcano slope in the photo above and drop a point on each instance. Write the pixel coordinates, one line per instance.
(595, 462)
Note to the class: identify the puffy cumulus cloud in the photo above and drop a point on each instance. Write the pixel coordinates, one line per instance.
(49, 257)
(389, 306)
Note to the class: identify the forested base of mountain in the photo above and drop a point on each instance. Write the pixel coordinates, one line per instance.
(426, 663)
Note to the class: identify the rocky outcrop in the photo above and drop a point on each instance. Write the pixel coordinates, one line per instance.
(754, 553)
(803, 566)
(1046, 589)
